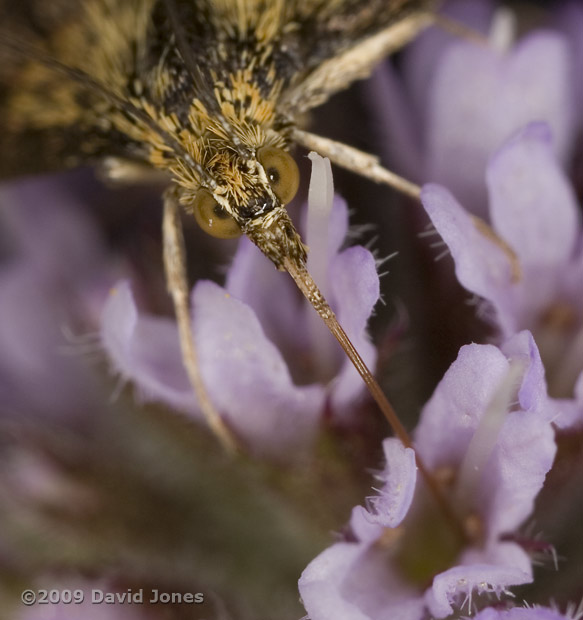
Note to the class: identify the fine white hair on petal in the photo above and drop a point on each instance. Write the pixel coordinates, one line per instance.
(390, 506)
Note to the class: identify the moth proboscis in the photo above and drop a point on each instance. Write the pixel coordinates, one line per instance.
(208, 92)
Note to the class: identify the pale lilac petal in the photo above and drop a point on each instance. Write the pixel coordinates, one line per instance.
(355, 289)
(423, 57)
(41, 375)
(457, 584)
(508, 554)
(284, 315)
(525, 446)
(521, 613)
(399, 476)
(569, 411)
(146, 350)
(481, 265)
(532, 394)
(516, 471)
(349, 581)
(51, 230)
(532, 204)
(530, 83)
(278, 304)
(361, 526)
(452, 414)
(247, 377)
(395, 123)
(320, 584)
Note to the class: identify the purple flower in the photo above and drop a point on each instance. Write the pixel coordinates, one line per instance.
(458, 100)
(269, 367)
(484, 433)
(526, 613)
(534, 211)
(53, 278)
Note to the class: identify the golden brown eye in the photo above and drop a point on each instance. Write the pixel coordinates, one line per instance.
(282, 172)
(212, 218)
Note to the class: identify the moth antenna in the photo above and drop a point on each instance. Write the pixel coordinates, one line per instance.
(81, 77)
(312, 293)
(461, 30)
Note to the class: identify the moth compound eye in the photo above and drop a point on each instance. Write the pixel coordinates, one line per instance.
(212, 218)
(282, 172)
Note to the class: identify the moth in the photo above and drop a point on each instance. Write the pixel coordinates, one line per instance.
(209, 93)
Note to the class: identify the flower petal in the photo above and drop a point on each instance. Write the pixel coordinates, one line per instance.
(390, 506)
(452, 414)
(44, 217)
(532, 394)
(530, 83)
(272, 295)
(244, 373)
(320, 584)
(516, 471)
(423, 57)
(521, 613)
(396, 123)
(532, 204)
(459, 583)
(146, 350)
(355, 289)
(247, 377)
(481, 265)
(350, 581)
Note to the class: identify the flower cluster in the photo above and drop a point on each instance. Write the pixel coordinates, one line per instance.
(486, 437)
(530, 271)
(492, 454)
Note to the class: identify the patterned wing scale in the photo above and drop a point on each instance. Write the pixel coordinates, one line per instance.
(142, 51)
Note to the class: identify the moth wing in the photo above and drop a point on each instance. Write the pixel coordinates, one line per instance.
(49, 119)
(346, 40)
(354, 64)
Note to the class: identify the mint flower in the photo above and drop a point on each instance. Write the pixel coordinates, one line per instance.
(485, 434)
(538, 283)
(269, 365)
(457, 101)
(54, 277)
(528, 613)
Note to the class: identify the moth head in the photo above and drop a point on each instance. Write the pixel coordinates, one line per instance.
(269, 183)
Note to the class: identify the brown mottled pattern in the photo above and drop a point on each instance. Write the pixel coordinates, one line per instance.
(192, 87)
